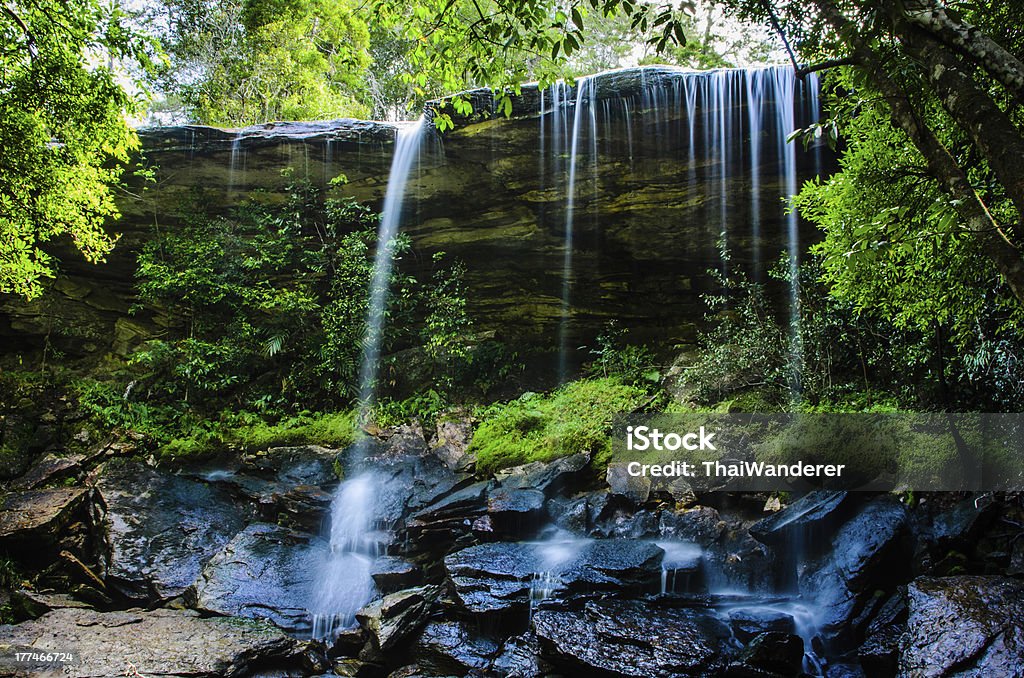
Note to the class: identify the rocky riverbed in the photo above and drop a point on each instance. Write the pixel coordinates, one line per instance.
(127, 567)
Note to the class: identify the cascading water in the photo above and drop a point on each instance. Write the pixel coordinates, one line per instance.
(743, 190)
(345, 583)
(407, 145)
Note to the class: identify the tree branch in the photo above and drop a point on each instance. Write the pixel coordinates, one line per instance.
(965, 199)
(930, 16)
(825, 65)
(766, 4)
(33, 52)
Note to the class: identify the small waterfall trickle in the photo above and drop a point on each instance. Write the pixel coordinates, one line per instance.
(237, 165)
(681, 561)
(345, 582)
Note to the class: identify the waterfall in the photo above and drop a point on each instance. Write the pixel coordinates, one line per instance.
(727, 131)
(570, 213)
(407, 144)
(345, 582)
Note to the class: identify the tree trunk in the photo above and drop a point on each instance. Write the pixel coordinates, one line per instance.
(930, 16)
(974, 111)
(941, 164)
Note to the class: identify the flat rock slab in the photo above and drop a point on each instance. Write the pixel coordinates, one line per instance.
(631, 639)
(264, 572)
(969, 626)
(162, 528)
(39, 515)
(157, 643)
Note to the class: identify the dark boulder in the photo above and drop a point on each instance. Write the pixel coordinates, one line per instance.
(520, 656)
(453, 434)
(452, 648)
(499, 577)
(775, 651)
(395, 617)
(964, 626)
(748, 622)
(960, 526)
(515, 512)
(264, 572)
(870, 552)
(391, 573)
(816, 511)
(35, 525)
(549, 477)
(636, 488)
(162, 528)
(630, 639)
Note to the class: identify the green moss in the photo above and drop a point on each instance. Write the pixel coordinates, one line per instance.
(575, 418)
(248, 431)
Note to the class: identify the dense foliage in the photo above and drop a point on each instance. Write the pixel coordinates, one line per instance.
(62, 132)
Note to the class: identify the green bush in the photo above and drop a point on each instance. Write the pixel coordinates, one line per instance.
(574, 418)
(248, 431)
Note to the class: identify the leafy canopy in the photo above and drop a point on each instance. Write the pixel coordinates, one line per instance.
(63, 131)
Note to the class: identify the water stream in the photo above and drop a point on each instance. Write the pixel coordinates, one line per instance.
(356, 538)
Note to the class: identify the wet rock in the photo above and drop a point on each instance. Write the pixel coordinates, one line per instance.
(468, 501)
(870, 552)
(629, 639)
(546, 477)
(961, 525)
(520, 656)
(701, 525)
(622, 483)
(879, 653)
(747, 622)
(497, 577)
(294, 466)
(302, 507)
(640, 525)
(450, 445)
(162, 528)
(775, 651)
(28, 604)
(33, 523)
(678, 489)
(406, 440)
(515, 512)
(264, 572)
(814, 511)
(396, 616)
(159, 642)
(964, 626)
(391, 573)
(49, 469)
(452, 648)
(734, 558)
(873, 549)
(569, 514)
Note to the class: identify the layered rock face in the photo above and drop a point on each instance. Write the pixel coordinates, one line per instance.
(660, 165)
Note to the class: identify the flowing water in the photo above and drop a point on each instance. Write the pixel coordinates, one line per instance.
(732, 127)
(356, 536)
